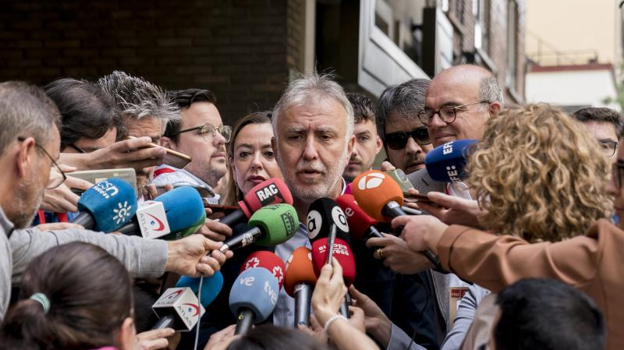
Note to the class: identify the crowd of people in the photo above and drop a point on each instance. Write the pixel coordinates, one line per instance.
(525, 246)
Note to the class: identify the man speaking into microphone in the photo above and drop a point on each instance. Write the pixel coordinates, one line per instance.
(313, 125)
(29, 147)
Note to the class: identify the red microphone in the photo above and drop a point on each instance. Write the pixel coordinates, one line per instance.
(267, 260)
(342, 253)
(299, 282)
(271, 191)
(362, 227)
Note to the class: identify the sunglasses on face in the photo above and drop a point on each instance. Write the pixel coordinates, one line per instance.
(398, 140)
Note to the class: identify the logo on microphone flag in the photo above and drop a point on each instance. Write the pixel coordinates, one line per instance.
(191, 308)
(371, 181)
(156, 224)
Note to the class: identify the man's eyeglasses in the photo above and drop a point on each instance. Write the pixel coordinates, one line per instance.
(608, 147)
(447, 114)
(209, 132)
(617, 171)
(398, 140)
(56, 182)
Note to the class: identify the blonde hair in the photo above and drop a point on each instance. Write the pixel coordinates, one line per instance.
(539, 174)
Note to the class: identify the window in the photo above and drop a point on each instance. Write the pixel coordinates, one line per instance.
(481, 12)
(512, 44)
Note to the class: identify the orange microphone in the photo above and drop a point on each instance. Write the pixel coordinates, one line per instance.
(381, 197)
(378, 195)
(299, 281)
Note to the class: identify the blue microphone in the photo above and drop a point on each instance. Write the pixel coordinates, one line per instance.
(253, 297)
(106, 206)
(183, 208)
(210, 287)
(446, 163)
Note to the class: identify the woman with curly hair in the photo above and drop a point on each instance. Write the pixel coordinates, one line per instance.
(539, 175)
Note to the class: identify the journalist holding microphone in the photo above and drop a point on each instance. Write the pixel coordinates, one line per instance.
(29, 144)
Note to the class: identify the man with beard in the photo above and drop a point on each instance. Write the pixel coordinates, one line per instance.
(29, 147)
(200, 134)
(405, 138)
(313, 125)
(367, 142)
(145, 111)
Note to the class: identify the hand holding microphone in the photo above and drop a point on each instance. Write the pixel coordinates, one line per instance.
(329, 292)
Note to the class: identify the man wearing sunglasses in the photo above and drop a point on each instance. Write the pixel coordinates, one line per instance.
(200, 134)
(406, 139)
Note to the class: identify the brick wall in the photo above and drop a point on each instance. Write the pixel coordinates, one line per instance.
(237, 48)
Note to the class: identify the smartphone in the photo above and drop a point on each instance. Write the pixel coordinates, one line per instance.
(218, 208)
(95, 176)
(330, 244)
(399, 176)
(173, 158)
(417, 197)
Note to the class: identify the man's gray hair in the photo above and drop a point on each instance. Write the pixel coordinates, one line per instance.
(406, 100)
(138, 98)
(490, 91)
(312, 88)
(26, 111)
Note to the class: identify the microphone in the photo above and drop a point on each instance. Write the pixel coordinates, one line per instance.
(178, 308)
(378, 195)
(362, 227)
(211, 286)
(446, 163)
(106, 206)
(271, 191)
(299, 283)
(322, 214)
(183, 208)
(381, 198)
(253, 297)
(187, 232)
(270, 225)
(342, 253)
(269, 261)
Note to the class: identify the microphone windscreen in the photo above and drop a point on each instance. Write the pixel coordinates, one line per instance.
(299, 269)
(342, 253)
(255, 289)
(349, 189)
(183, 206)
(446, 163)
(373, 190)
(211, 287)
(322, 214)
(359, 221)
(187, 232)
(269, 261)
(271, 191)
(278, 223)
(111, 203)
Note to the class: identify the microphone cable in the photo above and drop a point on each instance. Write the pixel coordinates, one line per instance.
(199, 293)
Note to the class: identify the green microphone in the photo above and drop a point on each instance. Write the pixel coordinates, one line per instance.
(188, 231)
(269, 226)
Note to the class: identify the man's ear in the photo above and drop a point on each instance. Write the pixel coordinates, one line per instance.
(350, 146)
(379, 145)
(25, 157)
(166, 142)
(495, 108)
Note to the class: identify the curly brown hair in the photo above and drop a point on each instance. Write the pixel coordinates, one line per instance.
(539, 174)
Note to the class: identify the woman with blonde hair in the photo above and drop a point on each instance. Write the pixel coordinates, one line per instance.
(539, 175)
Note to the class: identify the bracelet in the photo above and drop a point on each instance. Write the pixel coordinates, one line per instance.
(331, 320)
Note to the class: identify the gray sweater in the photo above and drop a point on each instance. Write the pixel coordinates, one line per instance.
(142, 257)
